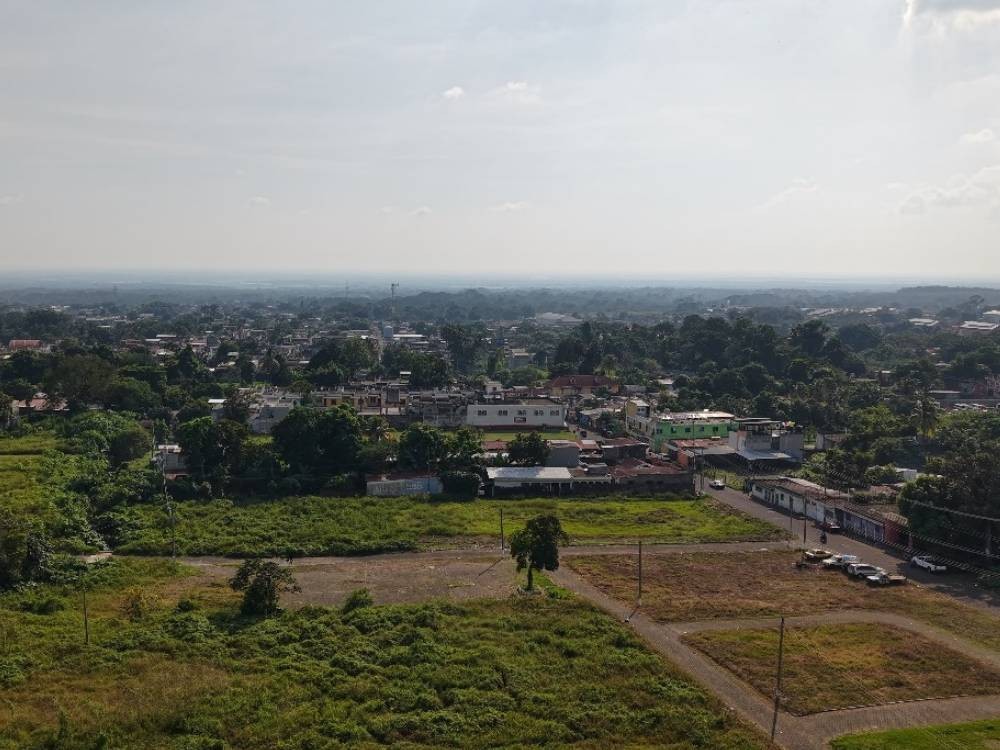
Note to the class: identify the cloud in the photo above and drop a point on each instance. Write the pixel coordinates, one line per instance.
(10, 199)
(518, 92)
(963, 15)
(509, 206)
(981, 189)
(986, 135)
(420, 211)
(455, 92)
(260, 200)
(798, 186)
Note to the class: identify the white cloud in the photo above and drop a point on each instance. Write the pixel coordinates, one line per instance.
(518, 92)
(10, 199)
(420, 211)
(455, 92)
(509, 206)
(986, 135)
(981, 189)
(260, 200)
(798, 186)
(963, 15)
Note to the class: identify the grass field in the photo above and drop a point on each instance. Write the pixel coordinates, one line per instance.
(525, 671)
(344, 526)
(976, 735)
(838, 666)
(21, 464)
(700, 586)
(510, 434)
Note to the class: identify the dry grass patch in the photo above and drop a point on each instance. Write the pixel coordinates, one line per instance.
(838, 666)
(151, 688)
(687, 587)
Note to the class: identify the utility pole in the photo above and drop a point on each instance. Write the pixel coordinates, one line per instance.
(501, 530)
(777, 687)
(86, 615)
(638, 601)
(805, 518)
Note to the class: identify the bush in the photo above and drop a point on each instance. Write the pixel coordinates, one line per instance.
(461, 484)
(42, 604)
(138, 603)
(356, 600)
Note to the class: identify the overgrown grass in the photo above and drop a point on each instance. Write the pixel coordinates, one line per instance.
(528, 671)
(702, 586)
(347, 526)
(21, 472)
(839, 666)
(976, 735)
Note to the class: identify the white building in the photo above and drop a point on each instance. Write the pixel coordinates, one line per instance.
(538, 413)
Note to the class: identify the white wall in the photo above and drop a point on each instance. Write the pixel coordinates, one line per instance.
(515, 415)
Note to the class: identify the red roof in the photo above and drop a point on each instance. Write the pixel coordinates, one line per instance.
(579, 381)
(16, 344)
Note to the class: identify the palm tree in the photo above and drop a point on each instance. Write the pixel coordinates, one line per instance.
(925, 415)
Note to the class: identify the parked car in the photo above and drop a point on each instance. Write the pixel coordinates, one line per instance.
(828, 526)
(863, 570)
(840, 561)
(928, 563)
(717, 484)
(885, 579)
(817, 555)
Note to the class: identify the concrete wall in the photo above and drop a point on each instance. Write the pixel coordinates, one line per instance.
(515, 416)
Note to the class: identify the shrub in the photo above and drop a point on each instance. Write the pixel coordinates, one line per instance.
(356, 600)
(42, 604)
(461, 484)
(138, 603)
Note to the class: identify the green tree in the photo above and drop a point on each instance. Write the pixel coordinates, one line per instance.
(528, 449)
(129, 394)
(237, 406)
(212, 450)
(320, 441)
(24, 550)
(536, 546)
(80, 380)
(262, 583)
(422, 448)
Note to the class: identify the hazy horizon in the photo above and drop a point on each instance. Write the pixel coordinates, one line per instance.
(575, 139)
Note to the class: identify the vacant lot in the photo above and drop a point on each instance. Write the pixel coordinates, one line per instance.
(976, 735)
(701, 586)
(392, 579)
(349, 526)
(526, 671)
(838, 666)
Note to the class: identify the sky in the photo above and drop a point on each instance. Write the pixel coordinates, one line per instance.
(736, 138)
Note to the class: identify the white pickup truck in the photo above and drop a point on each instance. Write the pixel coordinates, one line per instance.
(928, 563)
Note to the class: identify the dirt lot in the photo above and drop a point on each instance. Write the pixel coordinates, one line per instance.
(687, 587)
(394, 578)
(840, 666)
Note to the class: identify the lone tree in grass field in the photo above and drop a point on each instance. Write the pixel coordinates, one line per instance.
(536, 546)
(262, 582)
